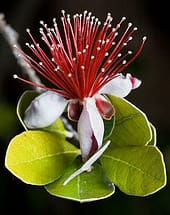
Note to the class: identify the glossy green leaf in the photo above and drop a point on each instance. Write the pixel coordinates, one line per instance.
(23, 103)
(86, 187)
(136, 170)
(131, 124)
(39, 157)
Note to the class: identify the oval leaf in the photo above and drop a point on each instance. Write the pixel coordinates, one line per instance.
(131, 124)
(86, 187)
(39, 157)
(136, 170)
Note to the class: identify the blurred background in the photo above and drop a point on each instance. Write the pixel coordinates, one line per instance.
(152, 67)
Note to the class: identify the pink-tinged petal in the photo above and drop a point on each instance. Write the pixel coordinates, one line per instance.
(135, 81)
(44, 110)
(121, 86)
(105, 108)
(90, 129)
(74, 110)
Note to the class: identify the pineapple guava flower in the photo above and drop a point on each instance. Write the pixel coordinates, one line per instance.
(85, 66)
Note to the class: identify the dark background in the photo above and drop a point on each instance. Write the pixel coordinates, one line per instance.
(152, 66)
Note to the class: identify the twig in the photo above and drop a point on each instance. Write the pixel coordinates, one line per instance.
(11, 36)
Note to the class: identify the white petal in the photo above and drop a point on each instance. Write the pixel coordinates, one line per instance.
(90, 123)
(44, 110)
(119, 86)
(88, 164)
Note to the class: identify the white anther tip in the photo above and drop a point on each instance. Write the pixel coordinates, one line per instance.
(41, 22)
(124, 62)
(144, 38)
(15, 76)
(129, 24)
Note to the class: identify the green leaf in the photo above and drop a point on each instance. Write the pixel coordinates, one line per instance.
(86, 187)
(136, 170)
(23, 103)
(154, 137)
(131, 124)
(39, 157)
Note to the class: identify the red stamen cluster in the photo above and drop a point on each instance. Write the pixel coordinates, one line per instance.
(85, 59)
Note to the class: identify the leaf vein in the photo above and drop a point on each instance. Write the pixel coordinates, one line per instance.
(124, 119)
(124, 162)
